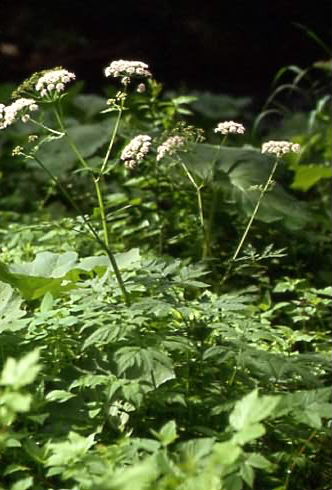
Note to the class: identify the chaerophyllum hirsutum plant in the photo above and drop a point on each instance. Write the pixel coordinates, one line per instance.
(176, 146)
(48, 89)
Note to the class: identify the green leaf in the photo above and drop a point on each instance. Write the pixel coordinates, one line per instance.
(167, 433)
(22, 484)
(10, 309)
(47, 302)
(36, 452)
(220, 106)
(90, 104)
(20, 373)
(60, 396)
(47, 264)
(16, 402)
(306, 176)
(227, 452)
(58, 156)
(259, 461)
(247, 473)
(128, 260)
(141, 473)
(252, 409)
(236, 171)
(71, 450)
(54, 274)
(249, 433)
(13, 468)
(148, 364)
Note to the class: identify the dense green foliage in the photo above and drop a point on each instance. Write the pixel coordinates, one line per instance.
(213, 375)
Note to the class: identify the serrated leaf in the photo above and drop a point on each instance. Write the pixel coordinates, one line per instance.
(252, 409)
(10, 309)
(22, 372)
(69, 451)
(259, 461)
(167, 433)
(249, 433)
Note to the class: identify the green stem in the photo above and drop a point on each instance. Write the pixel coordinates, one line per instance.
(101, 208)
(252, 217)
(41, 125)
(110, 146)
(102, 211)
(212, 210)
(199, 202)
(300, 451)
(208, 236)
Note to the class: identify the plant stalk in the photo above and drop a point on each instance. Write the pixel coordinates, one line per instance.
(96, 182)
(110, 146)
(252, 217)
(200, 205)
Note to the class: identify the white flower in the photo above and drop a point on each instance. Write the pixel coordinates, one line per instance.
(135, 151)
(280, 147)
(127, 69)
(169, 146)
(54, 81)
(141, 88)
(18, 109)
(229, 127)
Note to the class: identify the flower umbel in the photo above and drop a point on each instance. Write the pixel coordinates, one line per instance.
(18, 109)
(53, 82)
(136, 150)
(170, 146)
(127, 70)
(280, 147)
(229, 127)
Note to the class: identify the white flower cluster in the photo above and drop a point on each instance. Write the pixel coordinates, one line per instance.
(9, 114)
(280, 147)
(135, 151)
(229, 127)
(53, 81)
(127, 69)
(169, 146)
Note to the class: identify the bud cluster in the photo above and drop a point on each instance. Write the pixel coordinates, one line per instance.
(136, 150)
(229, 127)
(170, 146)
(280, 147)
(53, 81)
(19, 108)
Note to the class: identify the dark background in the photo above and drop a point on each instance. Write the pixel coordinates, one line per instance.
(232, 47)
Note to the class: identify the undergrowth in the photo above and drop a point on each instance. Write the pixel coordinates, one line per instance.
(164, 294)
